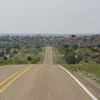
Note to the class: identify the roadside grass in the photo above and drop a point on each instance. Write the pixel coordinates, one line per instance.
(34, 53)
(91, 70)
(57, 56)
(41, 55)
(22, 55)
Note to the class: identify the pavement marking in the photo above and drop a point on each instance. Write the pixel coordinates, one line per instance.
(6, 83)
(80, 84)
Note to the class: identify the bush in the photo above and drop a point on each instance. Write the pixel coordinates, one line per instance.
(20, 62)
(35, 60)
(3, 62)
(70, 55)
(29, 58)
(4, 58)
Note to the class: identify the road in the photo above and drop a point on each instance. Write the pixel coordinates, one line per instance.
(48, 59)
(41, 82)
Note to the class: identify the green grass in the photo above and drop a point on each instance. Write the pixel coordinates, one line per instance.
(57, 56)
(20, 62)
(90, 69)
(41, 55)
(28, 50)
(10, 61)
(22, 55)
(34, 53)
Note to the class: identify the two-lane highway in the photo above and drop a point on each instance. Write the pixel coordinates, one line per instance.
(48, 59)
(45, 82)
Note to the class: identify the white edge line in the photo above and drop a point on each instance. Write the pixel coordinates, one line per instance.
(80, 84)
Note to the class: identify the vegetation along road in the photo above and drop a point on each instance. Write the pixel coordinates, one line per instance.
(45, 81)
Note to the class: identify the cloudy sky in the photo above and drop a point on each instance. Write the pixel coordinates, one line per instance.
(50, 16)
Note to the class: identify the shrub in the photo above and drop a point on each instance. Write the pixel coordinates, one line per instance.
(20, 62)
(29, 58)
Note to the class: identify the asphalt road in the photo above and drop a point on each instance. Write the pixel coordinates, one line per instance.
(42, 82)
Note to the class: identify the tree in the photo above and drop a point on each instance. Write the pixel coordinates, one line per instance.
(29, 58)
(71, 57)
(73, 36)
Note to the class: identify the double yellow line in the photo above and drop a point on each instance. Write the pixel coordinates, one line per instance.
(6, 83)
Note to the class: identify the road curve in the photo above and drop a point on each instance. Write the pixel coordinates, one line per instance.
(45, 82)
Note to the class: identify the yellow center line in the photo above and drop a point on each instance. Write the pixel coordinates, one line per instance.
(6, 83)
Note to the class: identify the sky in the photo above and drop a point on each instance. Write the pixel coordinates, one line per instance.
(50, 16)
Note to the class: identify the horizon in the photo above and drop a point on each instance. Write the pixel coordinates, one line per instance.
(37, 33)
